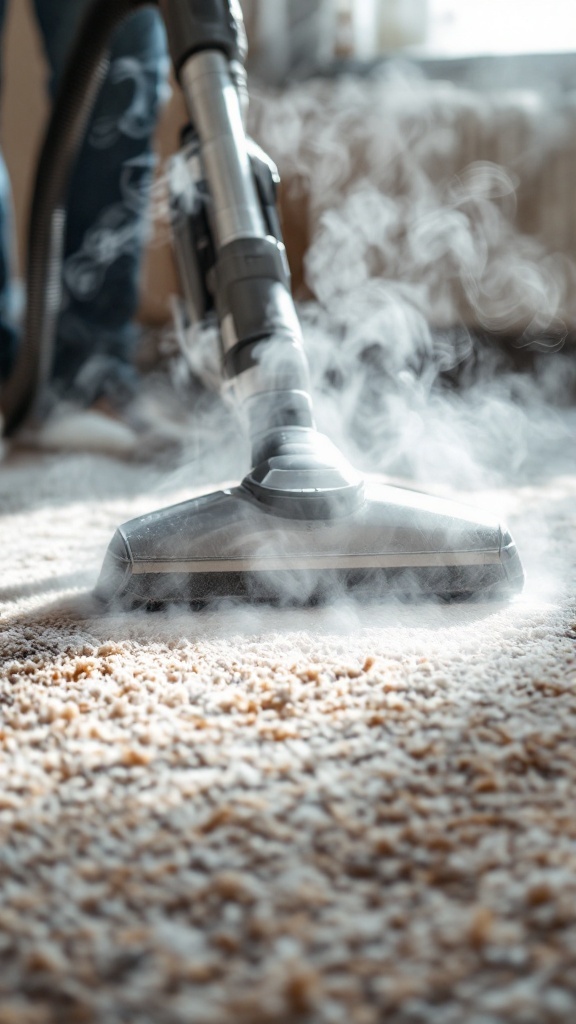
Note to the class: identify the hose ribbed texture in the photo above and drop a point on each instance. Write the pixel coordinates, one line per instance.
(87, 67)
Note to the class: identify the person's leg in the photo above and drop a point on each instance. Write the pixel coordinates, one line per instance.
(107, 204)
(7, 322)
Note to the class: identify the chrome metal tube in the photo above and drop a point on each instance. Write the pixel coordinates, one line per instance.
(214, 107)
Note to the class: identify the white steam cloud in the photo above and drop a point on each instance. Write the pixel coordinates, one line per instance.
(438, 232)
(434, 214)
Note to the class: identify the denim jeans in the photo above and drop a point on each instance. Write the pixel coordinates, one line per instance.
(106, 206)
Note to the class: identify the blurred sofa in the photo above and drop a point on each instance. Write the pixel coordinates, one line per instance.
(450, 181)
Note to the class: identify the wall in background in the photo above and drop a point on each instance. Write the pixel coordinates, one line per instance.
(24, 109)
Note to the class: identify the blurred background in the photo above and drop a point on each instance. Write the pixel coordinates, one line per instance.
(504, 70)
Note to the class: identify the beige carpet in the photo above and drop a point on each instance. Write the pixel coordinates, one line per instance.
(340, 815)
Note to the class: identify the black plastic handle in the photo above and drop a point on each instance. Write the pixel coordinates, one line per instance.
(195, 25)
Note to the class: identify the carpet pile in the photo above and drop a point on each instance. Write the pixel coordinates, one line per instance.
(328, 815)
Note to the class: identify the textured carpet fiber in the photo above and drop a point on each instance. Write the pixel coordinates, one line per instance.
(339, 815)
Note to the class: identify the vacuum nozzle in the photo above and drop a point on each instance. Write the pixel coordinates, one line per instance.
(396, 543)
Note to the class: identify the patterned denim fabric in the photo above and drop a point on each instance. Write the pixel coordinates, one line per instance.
(106, 208)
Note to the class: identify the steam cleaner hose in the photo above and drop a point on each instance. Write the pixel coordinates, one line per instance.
(85, 72)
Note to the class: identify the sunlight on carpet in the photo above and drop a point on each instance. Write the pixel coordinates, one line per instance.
(342, 814)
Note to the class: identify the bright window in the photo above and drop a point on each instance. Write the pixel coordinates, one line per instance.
(500, 26)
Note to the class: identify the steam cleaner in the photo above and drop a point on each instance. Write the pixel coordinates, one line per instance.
(302, 525)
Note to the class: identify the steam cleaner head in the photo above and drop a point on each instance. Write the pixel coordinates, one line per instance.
(394, 542)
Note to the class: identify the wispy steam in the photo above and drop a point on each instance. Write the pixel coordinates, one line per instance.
(426, 228)
(433, 256)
